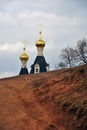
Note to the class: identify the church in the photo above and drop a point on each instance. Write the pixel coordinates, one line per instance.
(24, 58)
(40, 64)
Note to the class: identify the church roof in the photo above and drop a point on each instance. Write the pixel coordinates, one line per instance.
(23, 71)
(42, 64)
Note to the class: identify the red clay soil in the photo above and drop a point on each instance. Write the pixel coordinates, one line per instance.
(55, 100)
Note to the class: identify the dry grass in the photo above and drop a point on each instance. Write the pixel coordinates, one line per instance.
(55, 100)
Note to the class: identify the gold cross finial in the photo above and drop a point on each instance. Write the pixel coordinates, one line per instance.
(25, 43)
(40, 26)
(40, 30)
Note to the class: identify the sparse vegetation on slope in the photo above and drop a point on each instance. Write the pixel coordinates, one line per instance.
(54, 100)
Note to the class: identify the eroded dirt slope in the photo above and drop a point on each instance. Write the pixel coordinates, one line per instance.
(55, 100)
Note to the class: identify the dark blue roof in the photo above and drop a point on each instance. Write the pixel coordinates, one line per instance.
(42, 63)
(23, 71)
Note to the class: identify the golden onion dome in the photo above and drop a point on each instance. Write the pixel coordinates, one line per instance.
(40, 42)
(24, 57)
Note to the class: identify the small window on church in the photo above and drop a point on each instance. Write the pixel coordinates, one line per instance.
(37, 68)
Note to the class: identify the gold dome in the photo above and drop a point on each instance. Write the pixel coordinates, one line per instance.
(24, 57)
(40, 42)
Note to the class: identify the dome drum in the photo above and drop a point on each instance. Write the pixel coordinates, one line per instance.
(40, 45)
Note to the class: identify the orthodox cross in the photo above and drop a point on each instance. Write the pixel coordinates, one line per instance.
(25, 43)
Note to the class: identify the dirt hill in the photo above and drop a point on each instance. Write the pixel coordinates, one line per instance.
(55, 100)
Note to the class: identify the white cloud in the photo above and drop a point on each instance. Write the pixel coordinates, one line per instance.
(30, 19)
(24, 24)
(10, 47)
(6, 74)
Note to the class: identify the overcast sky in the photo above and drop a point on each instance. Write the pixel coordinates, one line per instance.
(64, 23)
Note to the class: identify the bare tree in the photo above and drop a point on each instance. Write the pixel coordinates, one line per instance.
(81, 51)
(60, 65)
(68, 56)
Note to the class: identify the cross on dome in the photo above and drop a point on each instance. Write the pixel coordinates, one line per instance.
(40, 26)
(24, 43)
